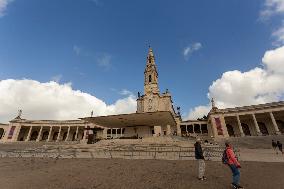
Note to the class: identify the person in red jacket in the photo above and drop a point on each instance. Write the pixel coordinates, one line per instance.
(234, 165)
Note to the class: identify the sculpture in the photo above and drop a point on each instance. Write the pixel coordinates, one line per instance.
(20, 113)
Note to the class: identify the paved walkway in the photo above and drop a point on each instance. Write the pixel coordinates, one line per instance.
(261, 155)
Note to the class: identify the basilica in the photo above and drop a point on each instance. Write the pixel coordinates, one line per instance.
(155, 117)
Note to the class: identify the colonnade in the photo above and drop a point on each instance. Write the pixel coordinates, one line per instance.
(115, 132)
(255, 124)
(51, 133)
(194, 128)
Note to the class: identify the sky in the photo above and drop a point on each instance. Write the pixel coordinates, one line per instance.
(64, 59)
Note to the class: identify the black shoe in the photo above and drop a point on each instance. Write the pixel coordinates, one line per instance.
(234, 186)
(204, 178)
(240, 187)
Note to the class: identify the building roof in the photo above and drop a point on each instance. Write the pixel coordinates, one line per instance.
(251, 107)
(48, 121)
(194, 122)
(135, 119)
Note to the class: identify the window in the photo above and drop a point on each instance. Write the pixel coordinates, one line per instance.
(113, 131)
(109, 131)
(150, 78)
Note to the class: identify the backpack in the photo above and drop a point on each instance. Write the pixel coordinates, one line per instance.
(225, 158)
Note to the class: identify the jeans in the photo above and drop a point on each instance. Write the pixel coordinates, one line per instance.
(236, 174)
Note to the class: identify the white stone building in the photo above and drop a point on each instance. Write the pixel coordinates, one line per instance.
(155, 116)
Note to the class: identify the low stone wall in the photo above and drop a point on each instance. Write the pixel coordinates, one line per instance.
(124, 152)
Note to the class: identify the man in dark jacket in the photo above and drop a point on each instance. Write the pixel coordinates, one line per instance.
(279, 145)
(274, 146)
(200, 158)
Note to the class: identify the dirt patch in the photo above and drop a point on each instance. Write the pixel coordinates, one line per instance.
(34, 173)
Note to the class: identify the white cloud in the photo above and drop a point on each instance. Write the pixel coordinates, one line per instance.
(126, 92)
(187, 51)
(272, 7)
(52, 100)
(104, 60)
(274, 60)
(279, 36)
(56, 78)
(198, 112)
(3, 6)
(256, 86)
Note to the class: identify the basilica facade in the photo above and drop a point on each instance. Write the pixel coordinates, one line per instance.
(155, 117)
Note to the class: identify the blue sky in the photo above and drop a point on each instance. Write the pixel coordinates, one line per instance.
(100, 46)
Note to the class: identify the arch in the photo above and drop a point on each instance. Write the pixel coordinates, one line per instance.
(263, 128)
(64, 136)
(45, 135)
(190, 128)
(74, 136)
(34, 135)
(1, 132)
(204, 128)
(55, 135)
(280, 125)
(246, 129)
(196, 128)
(183, 130)
(230, 130)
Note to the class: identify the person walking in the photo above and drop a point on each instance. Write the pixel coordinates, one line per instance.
(279, 145)
(234, 165)
(274, 146)
(200, 158)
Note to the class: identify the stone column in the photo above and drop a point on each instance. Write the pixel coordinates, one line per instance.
(240, 125)
(200, 129)
(224, 126)
(68, 133)
(214, 127)
(39, 134)
(76, 134)
(274, 124)
(84, 134)
(59, 133)
(157, 130)
(29, 134)
(256, 125)
(168, 129)
(49, 134)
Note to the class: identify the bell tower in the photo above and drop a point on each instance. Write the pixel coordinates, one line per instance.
(151, 75)
(152, 100)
